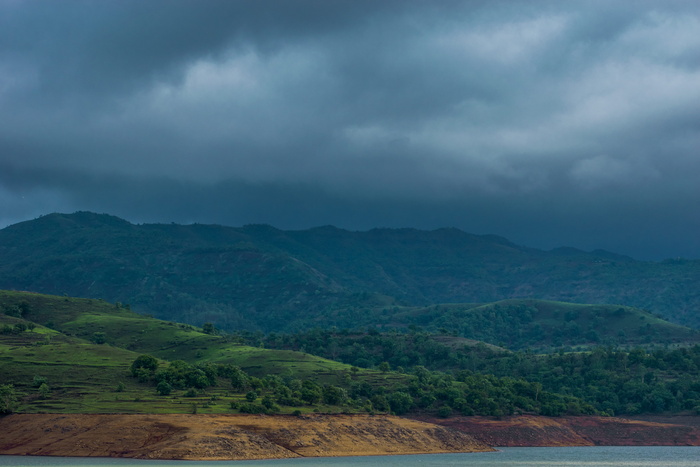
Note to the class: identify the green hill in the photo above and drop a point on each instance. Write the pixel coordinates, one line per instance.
(119, 327)
(541, 325)
(64, 354)
(84, 350)
(261, 278)
(58, 370)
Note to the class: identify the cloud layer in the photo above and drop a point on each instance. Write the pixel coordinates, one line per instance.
(551, 123)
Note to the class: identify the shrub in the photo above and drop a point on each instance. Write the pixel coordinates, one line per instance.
(444, 411)
(252, 408)
(8, 398)
(400, 402)
(191, 392)
(38, 381)
(44, 390)
(164, 389)
(147, 362)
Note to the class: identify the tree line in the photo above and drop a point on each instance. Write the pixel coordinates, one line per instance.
(610, 379)
(417, 390)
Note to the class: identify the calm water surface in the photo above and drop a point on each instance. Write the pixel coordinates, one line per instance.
(506, 457)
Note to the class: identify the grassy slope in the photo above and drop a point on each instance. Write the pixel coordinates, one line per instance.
(83, 376)
(126, 329)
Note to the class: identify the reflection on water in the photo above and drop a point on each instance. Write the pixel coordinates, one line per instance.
(656, 456)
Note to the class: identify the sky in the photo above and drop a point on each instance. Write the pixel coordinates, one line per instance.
(550, 123)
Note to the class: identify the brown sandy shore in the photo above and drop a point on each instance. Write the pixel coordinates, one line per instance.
(229, 437)
(225, 437)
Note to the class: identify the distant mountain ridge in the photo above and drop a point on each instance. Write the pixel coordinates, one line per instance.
(260, 277)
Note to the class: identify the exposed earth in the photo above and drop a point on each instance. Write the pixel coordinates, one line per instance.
(531, 430)
(229, 437)
(222, 437)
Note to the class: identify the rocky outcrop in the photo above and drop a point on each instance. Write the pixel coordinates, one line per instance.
(222, 437)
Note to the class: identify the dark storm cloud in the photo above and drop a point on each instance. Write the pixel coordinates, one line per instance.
(550, 123)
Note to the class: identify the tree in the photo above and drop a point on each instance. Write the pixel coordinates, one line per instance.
(334, 395)
(445, 411)
(44, 390)
(38, 381)
(311, 392)
(400, 402)
(164, 388)
(8, 398)
(380, 403)
(239, 379)
(12, 310)
(269, 403)
(146, 362)
(98, 337)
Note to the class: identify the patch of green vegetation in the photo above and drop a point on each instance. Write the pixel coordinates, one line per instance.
(64, 370)
(543, 325)
(83, 376)
(609, 379)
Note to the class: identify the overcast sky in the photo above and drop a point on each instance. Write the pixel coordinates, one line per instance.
(551, 123)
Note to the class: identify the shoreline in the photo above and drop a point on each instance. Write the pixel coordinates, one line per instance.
(570, 431)
(226, 437)
(260, 437)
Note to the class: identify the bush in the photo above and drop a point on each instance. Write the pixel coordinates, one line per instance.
(252, 408)
(44, 390)
(334, 395)
(164, 389)
(142, 375)
(8, 398)
(191, 392)
(98, 338)
(38, 381)
(400, 402)
(444, 412)
(269, 403)
(146, 362)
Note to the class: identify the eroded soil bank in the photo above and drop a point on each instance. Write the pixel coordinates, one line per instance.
(530, 430)
(222, 437)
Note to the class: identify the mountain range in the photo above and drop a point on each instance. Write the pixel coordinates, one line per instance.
(261, 278)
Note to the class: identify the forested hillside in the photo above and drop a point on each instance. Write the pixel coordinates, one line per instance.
(261, 278)
(611, 379)
(64, 354)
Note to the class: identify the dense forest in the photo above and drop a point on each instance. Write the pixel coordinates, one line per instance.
(612, 380)
(257, 277)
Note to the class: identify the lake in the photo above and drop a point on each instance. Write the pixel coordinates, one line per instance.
(613, 456)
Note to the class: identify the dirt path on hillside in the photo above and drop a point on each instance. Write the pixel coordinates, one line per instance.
(224, 437)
